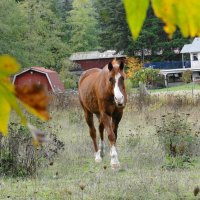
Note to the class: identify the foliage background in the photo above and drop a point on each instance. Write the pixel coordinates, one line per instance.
(46, 32)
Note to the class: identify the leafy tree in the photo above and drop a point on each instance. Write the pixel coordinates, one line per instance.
(133, 65)
(13, 29)
(45, 34)
(145, 76)
(32, 32)
(82, 25)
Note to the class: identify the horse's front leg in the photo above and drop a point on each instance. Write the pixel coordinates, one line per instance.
(107, 122)
(90, 122)
(116, 118)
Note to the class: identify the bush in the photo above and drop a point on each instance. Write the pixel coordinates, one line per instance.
(147, 76)
(179, 141)
(18, 156)
(187, 76)
(175, 135)
(128, 85)
(70, 83)
(160, 81)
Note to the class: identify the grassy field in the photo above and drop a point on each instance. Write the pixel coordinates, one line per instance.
(189, 88)
(184, 87)
(75, 175)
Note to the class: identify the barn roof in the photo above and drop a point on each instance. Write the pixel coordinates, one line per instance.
(52, 76)
(192, 48)
(92, 55)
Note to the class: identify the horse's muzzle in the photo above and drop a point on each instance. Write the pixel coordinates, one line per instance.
(120, 105)
(119, 101)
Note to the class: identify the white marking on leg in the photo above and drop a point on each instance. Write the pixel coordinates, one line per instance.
(119, 98)
(114, 157)
(98, 158)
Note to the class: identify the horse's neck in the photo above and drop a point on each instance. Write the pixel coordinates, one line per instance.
(102, 86)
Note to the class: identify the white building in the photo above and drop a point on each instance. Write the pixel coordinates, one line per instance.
(194, 50)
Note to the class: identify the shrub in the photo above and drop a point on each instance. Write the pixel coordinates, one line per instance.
(175, 135)
(133, 65)
(18, 157)
(177, 138)
(70, 83)
(147, 76)
(160, 81)
(128, 85)
(187, 76)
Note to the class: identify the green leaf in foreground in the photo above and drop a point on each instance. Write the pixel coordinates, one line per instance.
(136, 13)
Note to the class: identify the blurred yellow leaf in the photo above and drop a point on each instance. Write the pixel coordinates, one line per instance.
(4, 114)
(136, 13)
(34, 98)
(8, 66)
(183, 14)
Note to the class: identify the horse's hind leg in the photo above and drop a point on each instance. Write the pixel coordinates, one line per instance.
(101, 143)
(90, 122)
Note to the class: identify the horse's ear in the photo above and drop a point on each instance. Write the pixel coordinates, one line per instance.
(110, 66)
(121, 65)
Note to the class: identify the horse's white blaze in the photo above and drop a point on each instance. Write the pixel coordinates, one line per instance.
(117, 93)
(98, 156)
(114, 157)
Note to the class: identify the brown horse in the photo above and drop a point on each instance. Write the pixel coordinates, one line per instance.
(102, 92)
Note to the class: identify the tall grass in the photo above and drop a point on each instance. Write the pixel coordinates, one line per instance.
(75, 175)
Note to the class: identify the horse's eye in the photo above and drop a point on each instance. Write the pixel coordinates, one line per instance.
(122, 78)
(112, 80)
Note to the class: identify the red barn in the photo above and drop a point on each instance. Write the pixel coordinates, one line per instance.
(95, 59)
(40, 75)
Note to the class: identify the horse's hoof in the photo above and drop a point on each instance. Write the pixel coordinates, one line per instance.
(98, 160)
(98, 157)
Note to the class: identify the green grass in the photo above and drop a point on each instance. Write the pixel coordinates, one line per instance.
(141, 175)
(184, 87)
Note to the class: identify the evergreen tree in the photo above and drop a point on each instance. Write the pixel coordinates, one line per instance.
(82, 25)
(155, 42)
(45, 34)
(114, 31)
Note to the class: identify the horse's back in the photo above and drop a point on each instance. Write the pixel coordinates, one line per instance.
(89, 73)
(86, 88)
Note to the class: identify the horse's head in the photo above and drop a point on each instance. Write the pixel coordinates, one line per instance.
(116, 82)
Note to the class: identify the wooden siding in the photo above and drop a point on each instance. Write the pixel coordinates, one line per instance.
(94, 63)
(30, 77)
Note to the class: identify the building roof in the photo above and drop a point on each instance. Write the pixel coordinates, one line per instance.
(192, 48)
(52, 76)
(93, 55)
(170, 71)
